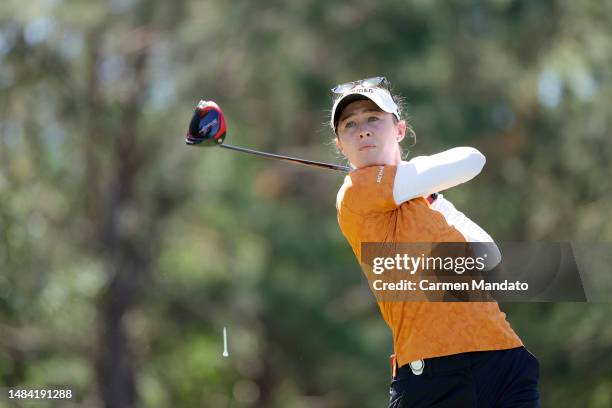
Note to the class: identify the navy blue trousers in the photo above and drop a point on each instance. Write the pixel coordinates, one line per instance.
(483, 379)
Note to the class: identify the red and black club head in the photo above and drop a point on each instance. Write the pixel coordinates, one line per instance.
(207, 126)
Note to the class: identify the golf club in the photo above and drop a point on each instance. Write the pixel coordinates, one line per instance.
(207, 128)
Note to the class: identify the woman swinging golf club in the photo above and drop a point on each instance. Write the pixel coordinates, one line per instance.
(446, 354)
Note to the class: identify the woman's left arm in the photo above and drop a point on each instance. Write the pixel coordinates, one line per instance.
(425, 175)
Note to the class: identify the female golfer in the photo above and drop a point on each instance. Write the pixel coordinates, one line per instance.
(446, 354)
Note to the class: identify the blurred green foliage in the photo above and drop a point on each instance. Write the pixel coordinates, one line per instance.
(124, 253)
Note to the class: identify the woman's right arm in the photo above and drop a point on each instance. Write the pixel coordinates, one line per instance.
(425, 175)
(486, 247)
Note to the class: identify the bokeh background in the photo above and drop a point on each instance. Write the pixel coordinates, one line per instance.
(124, 253)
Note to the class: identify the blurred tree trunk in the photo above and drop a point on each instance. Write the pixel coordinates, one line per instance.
(125, 255)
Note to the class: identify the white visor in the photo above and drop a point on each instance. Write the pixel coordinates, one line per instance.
(381, 97)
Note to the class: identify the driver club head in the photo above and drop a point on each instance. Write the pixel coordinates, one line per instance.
(207, 126)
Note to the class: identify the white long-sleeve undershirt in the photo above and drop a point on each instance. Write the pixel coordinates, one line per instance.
(425, 175)
(472, 232)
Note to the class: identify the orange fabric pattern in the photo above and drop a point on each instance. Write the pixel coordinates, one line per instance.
(367, 212)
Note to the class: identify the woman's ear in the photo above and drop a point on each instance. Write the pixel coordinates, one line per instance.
(338, 145)
(401, 130)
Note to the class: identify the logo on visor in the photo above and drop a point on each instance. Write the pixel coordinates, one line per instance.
(362, 90)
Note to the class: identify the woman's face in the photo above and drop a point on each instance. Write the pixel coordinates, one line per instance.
(368, 136)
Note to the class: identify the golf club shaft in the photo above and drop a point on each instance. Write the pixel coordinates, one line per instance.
(287, 158)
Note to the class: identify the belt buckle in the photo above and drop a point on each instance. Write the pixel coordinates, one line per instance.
(417, 366)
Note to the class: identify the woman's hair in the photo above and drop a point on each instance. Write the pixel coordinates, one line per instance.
(400, 101)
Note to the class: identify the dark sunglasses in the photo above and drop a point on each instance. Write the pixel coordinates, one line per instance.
(374, 82)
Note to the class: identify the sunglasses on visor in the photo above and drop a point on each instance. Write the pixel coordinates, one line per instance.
(374, 82)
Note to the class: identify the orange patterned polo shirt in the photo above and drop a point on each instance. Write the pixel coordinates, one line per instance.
(367, 212)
